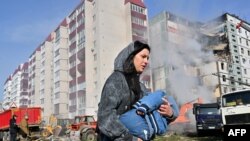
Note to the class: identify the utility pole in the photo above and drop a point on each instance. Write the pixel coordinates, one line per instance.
(240, 82)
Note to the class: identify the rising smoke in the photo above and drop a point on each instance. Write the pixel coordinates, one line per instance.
(187, 63)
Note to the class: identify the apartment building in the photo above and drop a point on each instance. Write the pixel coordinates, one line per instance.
(228, 35)
(45, 78)
(34, 77)
(68, 70)
(168, 34)
(60, 75)
(98, 30)
(179, 63)
(48, 83)
(24, 96)
(16, 88)
(6, 93)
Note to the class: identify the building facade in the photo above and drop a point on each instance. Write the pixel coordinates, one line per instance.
(16, 88)
(228, 36)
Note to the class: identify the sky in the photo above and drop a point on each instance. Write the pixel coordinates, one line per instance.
(26, 24)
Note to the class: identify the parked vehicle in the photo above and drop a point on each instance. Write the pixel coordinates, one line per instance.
(208, 117)
(235, 107)
(65, 123)
(31, 115)
(83, 128)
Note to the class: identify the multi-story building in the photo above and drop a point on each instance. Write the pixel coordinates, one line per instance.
(229, 37)
(60, 67)
(68, 70)
(177, 58)
(6, 93)
(45, 78)
(98, 31)
(24, 96)
(16, 88)
(34, 77)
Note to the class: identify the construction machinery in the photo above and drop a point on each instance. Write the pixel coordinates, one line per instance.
(28, 121)
(83, 128)
(182, 118)
(51, 129)
(183, 123)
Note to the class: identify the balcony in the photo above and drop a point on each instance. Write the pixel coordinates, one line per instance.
(139, 27)
(81, 93)
(72, 46)
(72, 83)
(81, 54)
(72, 34)
(138, 15)
(81, 68)
(72, 108)
(72, 72)
(81, 79)
(80, 28)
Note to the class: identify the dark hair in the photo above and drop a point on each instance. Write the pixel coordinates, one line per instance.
(131, 74)
(138, 46)
(128, 65)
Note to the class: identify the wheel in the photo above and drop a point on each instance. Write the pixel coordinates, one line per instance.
(89, 135)
(45, 133)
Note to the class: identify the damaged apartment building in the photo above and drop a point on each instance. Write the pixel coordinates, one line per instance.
(229, 38)
(211, 58)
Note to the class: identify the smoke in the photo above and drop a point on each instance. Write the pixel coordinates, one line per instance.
(187, 63)
(184, 62)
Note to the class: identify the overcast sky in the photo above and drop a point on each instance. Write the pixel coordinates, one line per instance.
(24, 24)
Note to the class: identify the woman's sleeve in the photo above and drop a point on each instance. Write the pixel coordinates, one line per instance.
(108, 119)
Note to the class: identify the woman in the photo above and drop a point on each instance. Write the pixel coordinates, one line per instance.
(121, 90)
(13, 128)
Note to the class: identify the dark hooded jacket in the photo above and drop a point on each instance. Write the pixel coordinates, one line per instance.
(119, 93)
(13, 125)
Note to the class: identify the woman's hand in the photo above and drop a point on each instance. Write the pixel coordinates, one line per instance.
(139, 139)
(166, 109)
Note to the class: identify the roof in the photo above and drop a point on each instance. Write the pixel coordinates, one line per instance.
(136, 2)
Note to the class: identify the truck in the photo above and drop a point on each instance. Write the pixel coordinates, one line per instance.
(83, 128)
(208, 117)
(31, 115)
(235, 107)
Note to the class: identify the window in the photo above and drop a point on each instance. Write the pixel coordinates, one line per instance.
(57, 84)
(245, 71)
(222, 66)
(42, 101)
(94, 17)
(57, 63)
(72, 63)
(223, 78)
(81, 37)
(57, 95)
(57, 35)
(137, 9)
(242, 50)
(57, 74)
(56, 52)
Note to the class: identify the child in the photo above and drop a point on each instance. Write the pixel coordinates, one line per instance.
(144, 121)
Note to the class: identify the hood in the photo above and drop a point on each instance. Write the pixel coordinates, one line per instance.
(122, 57)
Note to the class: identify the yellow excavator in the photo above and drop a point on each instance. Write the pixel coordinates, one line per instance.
(52, 128)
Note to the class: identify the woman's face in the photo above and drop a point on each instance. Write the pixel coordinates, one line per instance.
(141, 60)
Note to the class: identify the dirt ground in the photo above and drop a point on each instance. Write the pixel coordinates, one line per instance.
(188, 132)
